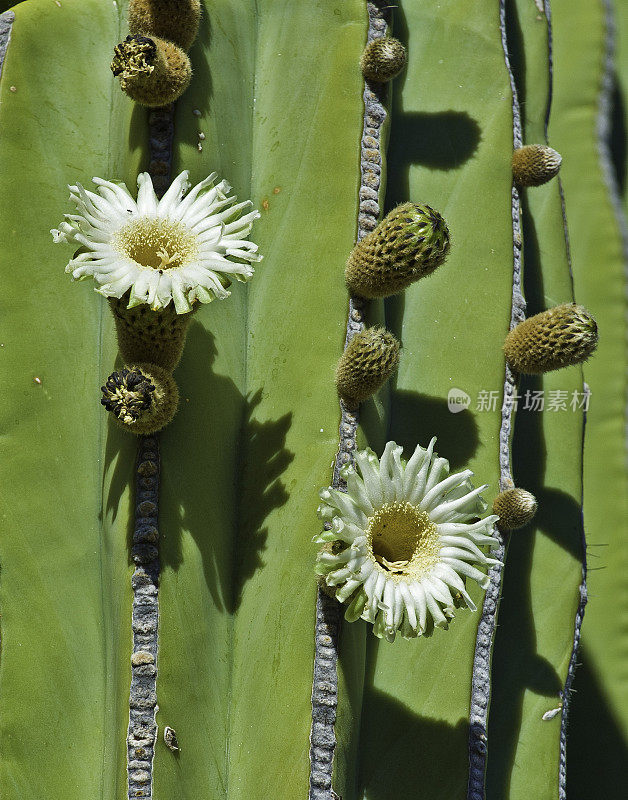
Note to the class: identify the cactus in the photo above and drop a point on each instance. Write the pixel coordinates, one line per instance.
(163, 630)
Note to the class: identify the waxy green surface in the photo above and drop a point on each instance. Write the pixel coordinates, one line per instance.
(280, 102)
(536, 621)
(249, 450)
(65, 585)
(598, 751)
(245, 458)
(451, 131)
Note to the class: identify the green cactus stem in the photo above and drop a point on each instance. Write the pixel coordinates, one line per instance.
(152, 71)
(175, 20)
(481, 684)
(328, 610)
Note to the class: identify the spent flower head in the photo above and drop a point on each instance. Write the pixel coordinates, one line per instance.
(400, 542)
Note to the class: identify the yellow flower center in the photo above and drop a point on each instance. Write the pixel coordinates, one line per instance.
(403, 540)
(157, 243)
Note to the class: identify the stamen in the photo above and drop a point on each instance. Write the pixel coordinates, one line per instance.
(166, 259)
(157, 243)
(403, 540)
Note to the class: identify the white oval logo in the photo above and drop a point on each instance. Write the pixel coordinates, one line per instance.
(457, 400)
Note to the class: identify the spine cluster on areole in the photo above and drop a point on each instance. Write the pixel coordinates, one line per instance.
(142, 731)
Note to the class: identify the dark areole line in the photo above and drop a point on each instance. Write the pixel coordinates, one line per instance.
(481, 680)
(328, 609)
(142, 731)
(6, 23)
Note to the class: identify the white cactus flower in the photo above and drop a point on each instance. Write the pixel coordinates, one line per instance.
(184, 247)
(401, 540)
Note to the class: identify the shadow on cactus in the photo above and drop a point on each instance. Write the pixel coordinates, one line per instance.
(261, 444)
(516, 658)
(390, 728)
(415, 417)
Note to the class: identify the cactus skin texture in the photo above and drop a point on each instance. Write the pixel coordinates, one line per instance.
(369, 360)
(239, 474)
(176, 20)
(535, 164)
(410, 243)
(152, 71)
(556, 338)
(515, 508)
(383, 59)
(150, 336)
(143, 398)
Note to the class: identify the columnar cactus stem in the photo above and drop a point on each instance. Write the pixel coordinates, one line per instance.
(328, 613)
(481, 684)
(603, 127)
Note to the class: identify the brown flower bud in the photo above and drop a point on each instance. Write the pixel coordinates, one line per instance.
(556, 338)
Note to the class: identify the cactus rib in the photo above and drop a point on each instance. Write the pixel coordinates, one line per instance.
(603, 135)
(603, 125)
(142, 731)
(328, 614)
(481, 681)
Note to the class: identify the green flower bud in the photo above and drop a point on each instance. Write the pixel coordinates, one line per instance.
(382, 59)
(175, 20)
(409, 243)
(146, 335)
(515, 508)
(153, 72)
(143, 398)
(556, 338)
(535, 164)
(366, 364)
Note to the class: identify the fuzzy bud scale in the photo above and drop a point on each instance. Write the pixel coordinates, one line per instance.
(146, 335)
(515, 508)
(366, 364)
(383, 59)
(409, 243)
(556, 338)
(535, 164)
